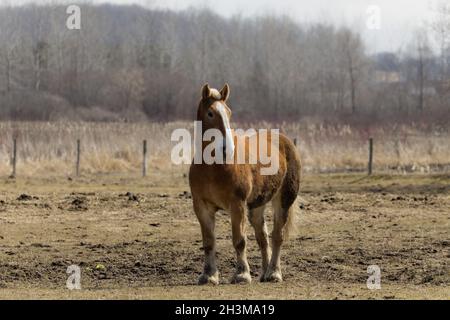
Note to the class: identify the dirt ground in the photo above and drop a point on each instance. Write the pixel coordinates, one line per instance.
(139, 238)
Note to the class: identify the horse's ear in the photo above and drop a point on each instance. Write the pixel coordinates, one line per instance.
(206, 91)
(225, 92)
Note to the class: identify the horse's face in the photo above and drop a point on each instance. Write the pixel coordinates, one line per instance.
(214, 113)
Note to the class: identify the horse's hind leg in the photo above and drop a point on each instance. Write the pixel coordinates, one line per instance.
(238, 212)
(206, 216)
(256, 217)
(281, 215)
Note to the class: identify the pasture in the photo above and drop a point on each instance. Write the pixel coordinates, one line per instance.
(137, 237)
(99, 103)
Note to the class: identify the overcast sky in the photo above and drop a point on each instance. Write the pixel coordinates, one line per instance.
(399, 18)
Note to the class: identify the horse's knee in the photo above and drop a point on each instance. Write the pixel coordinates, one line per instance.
(208, 248)
(238, 222)
(261, 236)
(256, 219)
(277, 240)
(278, 232)
(253, 219)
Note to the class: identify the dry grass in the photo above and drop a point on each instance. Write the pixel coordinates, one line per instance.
(50, 148)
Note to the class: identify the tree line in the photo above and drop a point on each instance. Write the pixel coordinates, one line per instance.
(129, 63)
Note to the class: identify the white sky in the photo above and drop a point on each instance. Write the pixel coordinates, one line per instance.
(399, 18)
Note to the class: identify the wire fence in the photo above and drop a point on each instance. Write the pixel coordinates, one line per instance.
(76, 149)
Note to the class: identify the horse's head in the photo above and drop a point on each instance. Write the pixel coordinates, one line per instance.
(214, 113)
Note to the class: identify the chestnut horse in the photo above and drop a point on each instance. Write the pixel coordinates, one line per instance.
(242, 190)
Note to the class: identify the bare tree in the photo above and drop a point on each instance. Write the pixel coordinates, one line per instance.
(441, 30)
(10, 39)
(421, 52)
(352, 51)
(140, 63)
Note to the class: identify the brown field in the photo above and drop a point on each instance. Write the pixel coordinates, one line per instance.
(149, 246)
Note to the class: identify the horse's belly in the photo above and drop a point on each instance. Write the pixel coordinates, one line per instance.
(213, 193)
(264, 190)
(260, 200)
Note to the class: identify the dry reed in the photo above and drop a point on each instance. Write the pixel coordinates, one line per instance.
(50, 148)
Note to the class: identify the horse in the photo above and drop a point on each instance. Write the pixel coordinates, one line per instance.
(242, 190)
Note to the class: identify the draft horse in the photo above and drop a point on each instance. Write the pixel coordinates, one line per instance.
(241, 190)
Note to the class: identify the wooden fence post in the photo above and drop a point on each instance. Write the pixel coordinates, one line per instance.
(14, 158)
(78, 158)
(144, 159)
(370, 156)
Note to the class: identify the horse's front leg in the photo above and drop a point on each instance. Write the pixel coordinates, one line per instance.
(206, 216)
(238, 216)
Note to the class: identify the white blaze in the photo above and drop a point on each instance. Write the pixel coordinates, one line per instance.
(228, 140)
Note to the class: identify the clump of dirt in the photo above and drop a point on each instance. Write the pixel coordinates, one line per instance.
(131, 196)
(425, 199)
(185, 195)
(79, 204)
(330, 199)
(39, 245)
(44, 206)
(26, 197)
(398, 198)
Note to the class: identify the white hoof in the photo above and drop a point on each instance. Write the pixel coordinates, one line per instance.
(272, 276)
(209, 279)
(244, 277)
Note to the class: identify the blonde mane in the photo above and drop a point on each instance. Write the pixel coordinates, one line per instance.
(214, 93)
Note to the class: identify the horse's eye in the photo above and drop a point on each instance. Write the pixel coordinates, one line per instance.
(210, 114)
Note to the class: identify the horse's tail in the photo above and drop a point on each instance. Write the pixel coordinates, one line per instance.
(290, 228)
(291, 186)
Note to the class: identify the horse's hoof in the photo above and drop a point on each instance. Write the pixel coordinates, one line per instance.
(241, 278)
(274, 276)
(209, 279)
